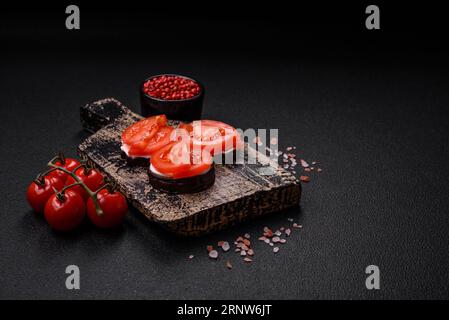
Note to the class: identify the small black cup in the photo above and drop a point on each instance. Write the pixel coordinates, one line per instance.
(184, 110)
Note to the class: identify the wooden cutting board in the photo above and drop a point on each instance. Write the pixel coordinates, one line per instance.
(240, 192)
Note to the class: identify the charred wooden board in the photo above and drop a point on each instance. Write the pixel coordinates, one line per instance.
(240, 192)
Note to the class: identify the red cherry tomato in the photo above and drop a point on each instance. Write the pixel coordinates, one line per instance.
(114, 208)
(147, 147)
(214, 136)
(143, 129)
(178, 160)
(68, 164)
(40, 191)
(92, 178)
(65, 212)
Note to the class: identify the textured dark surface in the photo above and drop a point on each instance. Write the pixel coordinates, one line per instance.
(377, 123)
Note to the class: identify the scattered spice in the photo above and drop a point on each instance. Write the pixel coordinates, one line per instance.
(288, 232)
(228, 264)
(171, 88)
(304, 178)
(304, 164)
(247, 259)
(276, 249)
(191, 256)
(298, 226)
(247, 235)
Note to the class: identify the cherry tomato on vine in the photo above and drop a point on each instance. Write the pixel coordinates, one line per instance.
(92, 178)
(68, 164)
(114, 208)
(41, 189)
(65, 211)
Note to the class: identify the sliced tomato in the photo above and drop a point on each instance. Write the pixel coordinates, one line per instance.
(213, 136)
(177, 160)
(143, 130)
(148, 146)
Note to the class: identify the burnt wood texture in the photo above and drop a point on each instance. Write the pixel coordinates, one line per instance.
(240, 191)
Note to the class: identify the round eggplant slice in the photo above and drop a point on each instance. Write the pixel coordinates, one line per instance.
(184, 185)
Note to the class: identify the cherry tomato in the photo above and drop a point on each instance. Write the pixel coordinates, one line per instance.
(146, 147)
(143, 129)
(114, 208)
(40, 190)
(178, 160)
(213, 136)
(68, 164)
(66, 211)
(92, 178)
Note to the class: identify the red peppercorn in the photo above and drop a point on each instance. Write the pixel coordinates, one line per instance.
(171, 88)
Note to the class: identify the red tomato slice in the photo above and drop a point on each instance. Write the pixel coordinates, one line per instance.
(143, 129)
(176, 160)
(148, 146)
(214, 136)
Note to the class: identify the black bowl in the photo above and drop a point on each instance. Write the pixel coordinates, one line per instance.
(184, 109)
